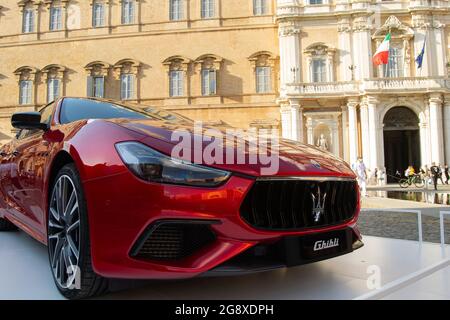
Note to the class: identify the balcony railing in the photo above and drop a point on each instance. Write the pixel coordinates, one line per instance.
(322, 88)
(405, 84)
(389, 85)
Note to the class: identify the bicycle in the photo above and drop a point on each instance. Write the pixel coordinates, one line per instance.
(416, 179)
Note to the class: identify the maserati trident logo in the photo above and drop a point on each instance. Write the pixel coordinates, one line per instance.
(318, 208)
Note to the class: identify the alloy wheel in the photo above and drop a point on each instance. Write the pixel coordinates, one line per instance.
(64, 232)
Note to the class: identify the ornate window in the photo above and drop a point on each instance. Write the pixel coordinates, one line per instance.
(399, 62)
(28, 20)
(29, 10)
(394, 68)
(176, 83)
(26, 77)
(263, 79)
(54, 75)
(56, 12)
(208, 9)
(126, 72)
(98, 14)
(176, 10)
(263, 65)
(97, 72)
(177, 69)
(128, 11)
(259, 7)
(312, 2)
(320, 59)
(208, 65)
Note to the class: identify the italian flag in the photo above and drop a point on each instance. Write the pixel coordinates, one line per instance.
(382, 54)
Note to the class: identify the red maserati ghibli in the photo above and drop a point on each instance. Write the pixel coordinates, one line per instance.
(98, 183)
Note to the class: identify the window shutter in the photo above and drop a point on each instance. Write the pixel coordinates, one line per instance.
(90, 91)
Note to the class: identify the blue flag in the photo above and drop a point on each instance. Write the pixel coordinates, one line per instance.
(419, 59)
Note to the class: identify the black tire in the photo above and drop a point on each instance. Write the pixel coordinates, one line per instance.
(90, 284)
(419, 182)
(5, 225)
(404, 183)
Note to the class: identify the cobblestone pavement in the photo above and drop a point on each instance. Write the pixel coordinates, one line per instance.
(402, 226)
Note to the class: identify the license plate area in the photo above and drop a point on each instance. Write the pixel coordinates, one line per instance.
(305, 249)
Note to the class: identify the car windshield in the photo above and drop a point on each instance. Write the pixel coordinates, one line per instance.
(74, 109)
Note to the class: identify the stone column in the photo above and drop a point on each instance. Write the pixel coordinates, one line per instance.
(424, 144)
(345, 43)
(366, 151)
(362, 47)
(352, 129)
(345, 146)
(310, 130)
(286, 121)
(436, 129)
(296, 121)
(374, 128)
(290, 53)
(440, 50)
(446, 123)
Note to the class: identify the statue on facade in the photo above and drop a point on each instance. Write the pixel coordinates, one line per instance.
(322, 143)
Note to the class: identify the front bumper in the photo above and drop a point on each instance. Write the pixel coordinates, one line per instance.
(122, 207)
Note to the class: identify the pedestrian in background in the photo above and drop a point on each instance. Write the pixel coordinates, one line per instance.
(361, 175)
(435, 173)
(447, 177)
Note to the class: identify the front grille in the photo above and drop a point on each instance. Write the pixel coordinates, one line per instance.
(289, 204)
(173, 241)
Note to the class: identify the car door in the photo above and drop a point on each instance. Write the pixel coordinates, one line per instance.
(29, 156)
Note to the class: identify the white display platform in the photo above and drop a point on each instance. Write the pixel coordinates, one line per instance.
(25, 274)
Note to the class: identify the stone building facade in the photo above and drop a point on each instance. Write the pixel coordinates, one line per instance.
(153, 52)
(392, 115)
(301, 66)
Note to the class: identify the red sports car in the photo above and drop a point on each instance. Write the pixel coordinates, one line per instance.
(97, 182)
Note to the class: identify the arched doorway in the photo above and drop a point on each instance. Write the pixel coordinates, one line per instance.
(401, 141)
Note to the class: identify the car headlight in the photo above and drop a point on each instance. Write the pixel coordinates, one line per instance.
(153, 166)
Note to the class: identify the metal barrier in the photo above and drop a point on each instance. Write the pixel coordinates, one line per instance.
(407, 280)
(418, 212)
(441, 224)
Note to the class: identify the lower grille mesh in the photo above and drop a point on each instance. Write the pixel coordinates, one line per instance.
(175, 241)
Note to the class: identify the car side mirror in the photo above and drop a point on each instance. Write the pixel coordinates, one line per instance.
(28, 120)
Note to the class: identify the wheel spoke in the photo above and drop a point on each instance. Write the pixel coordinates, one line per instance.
(70, 203)
(73, 226)
(56, 250)
(62, 264)
(72, 246)
(53, 224)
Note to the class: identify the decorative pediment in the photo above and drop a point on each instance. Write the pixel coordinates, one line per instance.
(126, 66)
(97, 68)
(395, 27)
(319, 49)
(26, 73)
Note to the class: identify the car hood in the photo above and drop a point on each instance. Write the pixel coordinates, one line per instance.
(287, 157)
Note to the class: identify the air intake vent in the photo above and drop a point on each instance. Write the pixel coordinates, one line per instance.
(171, 241)
(298, 204)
